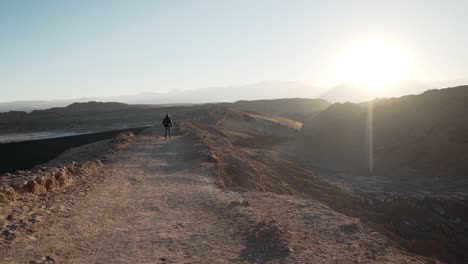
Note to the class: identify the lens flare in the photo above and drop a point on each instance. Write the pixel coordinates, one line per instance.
(373, 63)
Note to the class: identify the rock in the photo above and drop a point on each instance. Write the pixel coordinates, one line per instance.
(12, 227)
(123, 138)
(43, 260)
(61, 178)
(49, 184)
(32, 186)
(239, 203)
(40, 180)
(349, 229)
(8, 234)
(7, 195)
(38, 260)
(31, 238)
(35, 219)
(18, 186)
(49, 260)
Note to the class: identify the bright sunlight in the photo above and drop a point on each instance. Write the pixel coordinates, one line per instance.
(373, 63)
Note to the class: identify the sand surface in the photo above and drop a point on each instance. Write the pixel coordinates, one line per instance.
(156, 201)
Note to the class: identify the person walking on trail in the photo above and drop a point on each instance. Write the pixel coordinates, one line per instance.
(167, 123)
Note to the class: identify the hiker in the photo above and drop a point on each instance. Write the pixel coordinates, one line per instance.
(167, 123)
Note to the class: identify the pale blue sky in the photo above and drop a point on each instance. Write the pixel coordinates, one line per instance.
(68, 49)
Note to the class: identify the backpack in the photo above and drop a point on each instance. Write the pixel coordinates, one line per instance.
(166, 122)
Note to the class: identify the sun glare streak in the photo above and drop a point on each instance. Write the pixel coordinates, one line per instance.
(370, 137)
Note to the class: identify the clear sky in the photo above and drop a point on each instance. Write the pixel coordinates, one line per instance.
(67, 49)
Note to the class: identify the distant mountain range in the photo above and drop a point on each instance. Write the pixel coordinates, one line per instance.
(97, 116)
(263, 90)
(349, 92)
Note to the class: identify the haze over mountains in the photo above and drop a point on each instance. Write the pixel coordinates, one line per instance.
(349, 92)
(263, 90)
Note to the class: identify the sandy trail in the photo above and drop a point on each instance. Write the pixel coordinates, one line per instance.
(157, 205)
(157, 202)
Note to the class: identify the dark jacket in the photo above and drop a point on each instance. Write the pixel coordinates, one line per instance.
(167, 121)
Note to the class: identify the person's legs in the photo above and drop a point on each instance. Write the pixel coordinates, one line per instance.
(165, 133)
(169, 128)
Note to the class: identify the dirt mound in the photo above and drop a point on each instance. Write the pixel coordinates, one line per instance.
(43, 180)
(267, 240)
(253, 123)
(291, 108)
(255, 168)
(25, 197)
(123, 138)
(73, 164)
(22, 195)
(236, 168)
(217, 143)
(318, 234)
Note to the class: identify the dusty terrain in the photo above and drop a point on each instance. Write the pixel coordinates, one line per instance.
(157, 201)
(241, 185)
(421, 213)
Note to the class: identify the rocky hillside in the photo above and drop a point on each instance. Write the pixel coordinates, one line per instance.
(92, 116)
(253, 124)
(293, 108)
(425, 133)
(97, 116)
(73, 116)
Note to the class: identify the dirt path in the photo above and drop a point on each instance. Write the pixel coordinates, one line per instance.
(156, 205)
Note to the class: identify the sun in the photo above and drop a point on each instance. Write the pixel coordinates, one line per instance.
(372, 64)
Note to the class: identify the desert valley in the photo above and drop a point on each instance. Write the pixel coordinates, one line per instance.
(268, 181)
